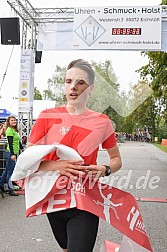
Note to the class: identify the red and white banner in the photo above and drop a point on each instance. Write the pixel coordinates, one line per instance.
(109, 247)
(48, 191)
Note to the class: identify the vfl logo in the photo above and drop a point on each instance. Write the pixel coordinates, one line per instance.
(90, 30)
(64, 130)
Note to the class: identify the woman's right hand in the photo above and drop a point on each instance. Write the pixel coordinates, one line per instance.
(13, 157)
(69, 168)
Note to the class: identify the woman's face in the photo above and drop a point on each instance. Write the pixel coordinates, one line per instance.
(76, 86)
(12, 122)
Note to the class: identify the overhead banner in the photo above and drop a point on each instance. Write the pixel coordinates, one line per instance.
(26, 87)
(46, 36)
(117, 28)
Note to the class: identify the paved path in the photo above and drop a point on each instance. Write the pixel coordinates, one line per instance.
(144, 174)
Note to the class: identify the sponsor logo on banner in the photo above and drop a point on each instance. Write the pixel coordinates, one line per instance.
(26, 86)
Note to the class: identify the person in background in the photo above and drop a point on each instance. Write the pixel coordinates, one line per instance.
(11, 153)
(2, 130)
(82, 129)
(3, 142)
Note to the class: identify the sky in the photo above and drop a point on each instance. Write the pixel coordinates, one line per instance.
(124, 62)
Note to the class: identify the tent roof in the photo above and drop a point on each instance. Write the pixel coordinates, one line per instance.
(38, 105)
(4, 113)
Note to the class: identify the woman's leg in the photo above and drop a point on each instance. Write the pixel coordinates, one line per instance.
(74, 230)
(4, 174)
(9, 168)
(3, 178)
(58, 225)
(82, 231)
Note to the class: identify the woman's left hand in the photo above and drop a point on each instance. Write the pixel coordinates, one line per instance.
(95, 171)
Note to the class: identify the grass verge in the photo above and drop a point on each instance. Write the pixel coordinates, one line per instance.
(161, 147)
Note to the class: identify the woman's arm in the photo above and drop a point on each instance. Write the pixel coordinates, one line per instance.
(115, 164)
(10, 142)
(115, 159)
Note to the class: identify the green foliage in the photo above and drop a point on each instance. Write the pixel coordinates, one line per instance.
(161, 147)
(162, 131)
(48, 95)
(164, 2)
(106, 97)
(155, 72)
(55, 91)
(105, 70)
(37, 94)
(106, 87)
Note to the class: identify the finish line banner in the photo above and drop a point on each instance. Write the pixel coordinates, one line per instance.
(126, 28)
(48, 191)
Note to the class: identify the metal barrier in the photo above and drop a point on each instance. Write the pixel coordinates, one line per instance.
(2, 157)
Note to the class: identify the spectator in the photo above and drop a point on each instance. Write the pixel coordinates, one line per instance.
(12, 150)
(2, 130)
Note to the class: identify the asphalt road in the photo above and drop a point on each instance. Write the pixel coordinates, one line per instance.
(144, 174)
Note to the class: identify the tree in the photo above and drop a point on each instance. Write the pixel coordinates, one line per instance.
(156, 72)
(164, 2)
(55, 91)
(37, 94)
(139, 106)
(106, 87)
